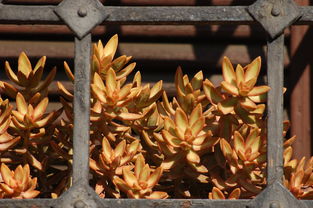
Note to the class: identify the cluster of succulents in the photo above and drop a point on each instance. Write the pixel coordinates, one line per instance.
(206, 142)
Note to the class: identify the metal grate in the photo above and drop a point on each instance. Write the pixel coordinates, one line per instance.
(83, 15)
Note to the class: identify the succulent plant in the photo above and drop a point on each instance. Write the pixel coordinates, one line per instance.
(17, 184)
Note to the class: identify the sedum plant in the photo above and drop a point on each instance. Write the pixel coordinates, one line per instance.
(208, 141)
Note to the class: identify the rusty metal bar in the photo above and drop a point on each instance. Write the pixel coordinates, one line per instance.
(275, 76)
(81, 109)
(144, 15)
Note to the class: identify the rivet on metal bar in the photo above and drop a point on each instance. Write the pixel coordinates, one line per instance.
(274, 15)
(274, 205)
(81, 204)
(82, 12)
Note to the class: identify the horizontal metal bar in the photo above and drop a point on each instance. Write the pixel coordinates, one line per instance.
(144, 15)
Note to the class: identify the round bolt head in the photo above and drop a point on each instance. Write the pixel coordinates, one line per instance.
(82, 12)
(80, 204)
(274, 205)
(275, 11)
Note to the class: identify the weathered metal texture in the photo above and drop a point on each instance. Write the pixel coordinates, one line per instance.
(276, 196)
(81, 109)
(274, 15)
(81, 15)
(144, 15)
(80, 195)
(275, 75)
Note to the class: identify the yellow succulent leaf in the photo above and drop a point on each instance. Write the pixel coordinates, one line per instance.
(154, 177)
(170, 139)
(197, 126)
(111, 83)
(157, 195)
(30, 194)
(129, 116)
(124, 92)
(247, 104)
(235, 194)
(126, 71)
(120, 149)
(298, 176)
(217, 194)
(9, 89)
(137, 79)
(98, 81)
(172, 161)
(19, 174)
(5, 137)
(181, 120)
(6, 145)
(99, 94)
(226, 149)
(144, 174)
(195, 114)
(110, 48)
(6, 174)
(211, 93)
(239, 75)
(156, 89)
(253, 69)
(179, 81)
(12, 76)
(246, 117)
(230, 88)
(21, 103)
(44, 85)
(121, 184)
(24, 65)
(46, 120)
(139, 165)
(68, 71)
(227, 106)
(6, 188)
(193, 157)
(5, 125)
(289, 141)
(196, 81)
(258, 98)
(129, 178)
(107, 151)
(253, 141)
(259, 90)
(239, 144)
(64, 92)
(40, 109)
(33, 161)
(133, 147)
(229, 74)
(259, 109)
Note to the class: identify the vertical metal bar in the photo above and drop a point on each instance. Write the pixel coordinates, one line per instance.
(81, 109)
(275, 67)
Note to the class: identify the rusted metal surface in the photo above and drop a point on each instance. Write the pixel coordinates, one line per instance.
(300, 89)
(80, 194)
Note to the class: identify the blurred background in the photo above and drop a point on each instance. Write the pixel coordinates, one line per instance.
(158, 50)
